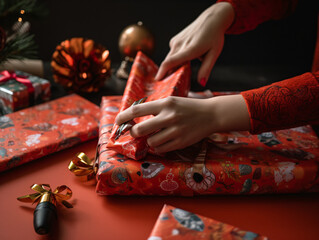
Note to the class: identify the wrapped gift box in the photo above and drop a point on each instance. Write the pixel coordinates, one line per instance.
(141, 84)
(285, 161)
(175, 223)
(34, 132)
(19, 90)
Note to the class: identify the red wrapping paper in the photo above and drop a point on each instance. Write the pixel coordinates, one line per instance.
(46, 128)
(141, 84)
(174, 224)
(285, 161)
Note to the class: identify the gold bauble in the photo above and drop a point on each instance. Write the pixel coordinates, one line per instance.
(134, 38)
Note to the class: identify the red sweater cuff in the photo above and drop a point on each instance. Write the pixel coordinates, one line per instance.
(289, 103)
(250, 13)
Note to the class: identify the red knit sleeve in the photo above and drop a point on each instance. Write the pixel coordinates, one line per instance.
(250, 13)
(288, 103)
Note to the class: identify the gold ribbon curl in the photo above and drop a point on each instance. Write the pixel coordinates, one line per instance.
(82, 165)
(57, 195)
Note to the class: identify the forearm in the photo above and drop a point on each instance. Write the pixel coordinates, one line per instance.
(250, 13)
(289, 103)
(223, 14)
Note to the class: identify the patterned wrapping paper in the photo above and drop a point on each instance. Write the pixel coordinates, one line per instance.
(15, 96)
(141, 84)
(285, 161)
(46, 128)
(175, 223)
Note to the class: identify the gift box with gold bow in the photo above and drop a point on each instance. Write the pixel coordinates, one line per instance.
(19, 90)
(285, 161)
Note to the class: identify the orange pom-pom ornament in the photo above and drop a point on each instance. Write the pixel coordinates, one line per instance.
(81, 65)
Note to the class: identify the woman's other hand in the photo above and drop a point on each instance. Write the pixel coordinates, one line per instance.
(203, 39)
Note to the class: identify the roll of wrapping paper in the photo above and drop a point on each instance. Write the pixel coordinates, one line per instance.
(141, 84)
(285, 161)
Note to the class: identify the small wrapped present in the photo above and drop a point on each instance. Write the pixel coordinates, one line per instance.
(175, 223)
(19, 90)
(285, 161)
(37, 131)
(141, 84)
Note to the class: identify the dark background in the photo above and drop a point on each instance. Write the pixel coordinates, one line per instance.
(275, 50)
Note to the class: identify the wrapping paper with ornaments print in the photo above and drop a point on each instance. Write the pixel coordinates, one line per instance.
(19, 90)
(34, 132)
(285, 161)
(175, 223)
(141, 84)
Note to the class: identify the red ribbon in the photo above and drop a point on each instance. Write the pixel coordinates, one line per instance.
(7, 75)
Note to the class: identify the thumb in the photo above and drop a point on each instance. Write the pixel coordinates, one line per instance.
(174, 60)
(206, 67)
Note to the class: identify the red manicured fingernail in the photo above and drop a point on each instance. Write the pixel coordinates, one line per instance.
(202, 81)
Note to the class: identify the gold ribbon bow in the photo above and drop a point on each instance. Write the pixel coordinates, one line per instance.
(82, 165)
(44, 189)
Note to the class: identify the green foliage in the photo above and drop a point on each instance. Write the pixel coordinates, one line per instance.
(23, 46)
(19, 44)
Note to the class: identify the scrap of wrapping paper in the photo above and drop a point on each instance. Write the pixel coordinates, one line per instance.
(285, 161)
(175, 223)
(46, 128)
(141, 84)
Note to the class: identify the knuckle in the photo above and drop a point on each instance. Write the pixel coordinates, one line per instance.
(151, 142)
(170, 101)
(191, 48)
(135, 110)
(137, 131)
(172, 42)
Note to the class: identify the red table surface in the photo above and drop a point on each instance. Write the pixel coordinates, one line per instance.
(293, 216)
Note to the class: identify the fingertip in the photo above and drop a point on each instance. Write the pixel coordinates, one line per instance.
(206, 68)
(157, 150)
(202, 81)
(118, 119)
(165, 67)
(203, 74)
(158, 76)
(160, 73)
(117, 122)
(150, 143)
(133, 133)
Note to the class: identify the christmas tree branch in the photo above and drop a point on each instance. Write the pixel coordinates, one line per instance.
(19, 48)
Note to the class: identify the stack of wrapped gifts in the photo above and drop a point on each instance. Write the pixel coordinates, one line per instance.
(284, 161)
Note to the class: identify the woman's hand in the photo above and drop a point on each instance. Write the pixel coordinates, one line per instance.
(203, 38)
(179, 122)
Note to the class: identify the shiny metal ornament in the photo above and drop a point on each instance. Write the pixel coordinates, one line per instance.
(134, 38)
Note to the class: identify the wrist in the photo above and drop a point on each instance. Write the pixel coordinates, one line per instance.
(229, 113)
(225, 14)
